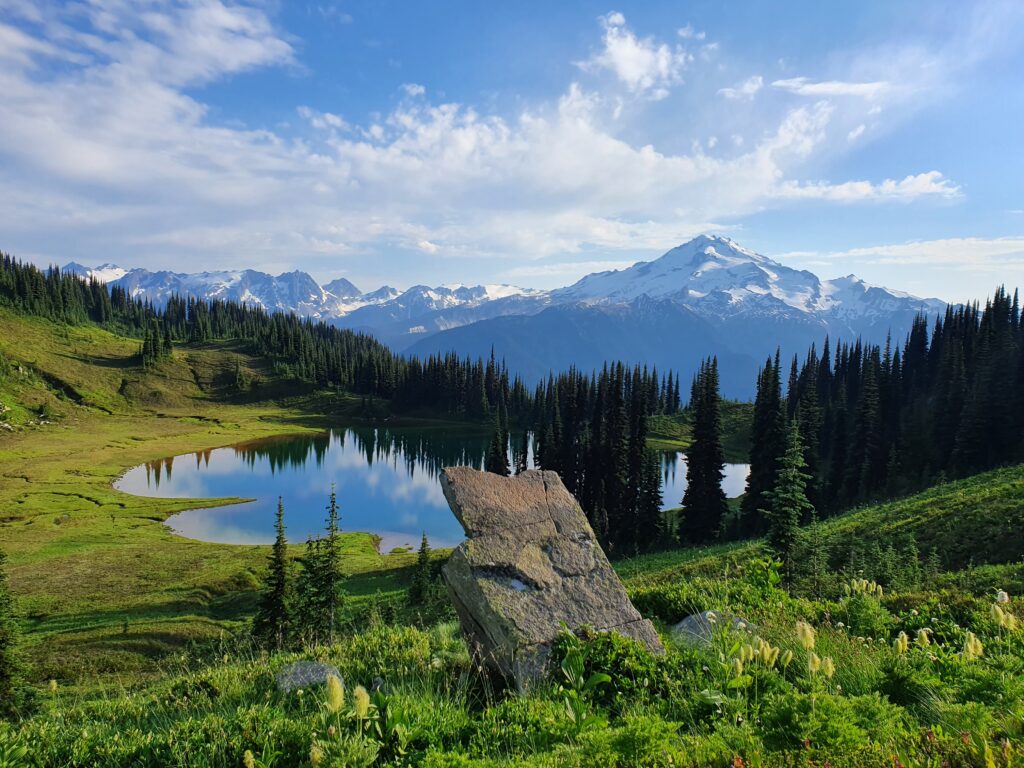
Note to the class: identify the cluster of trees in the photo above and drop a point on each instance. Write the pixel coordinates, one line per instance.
(156, 343)
(303, 609)
(878, 422)
(592, 430)
(865, 423)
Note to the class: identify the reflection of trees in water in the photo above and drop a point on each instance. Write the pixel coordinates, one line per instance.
(669, 466)
(416, 449)
(154, 470)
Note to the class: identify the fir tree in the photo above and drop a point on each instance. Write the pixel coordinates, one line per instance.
(523, 458)
(330, 575)
(704, 504)
(423, 576)
(788, 503)
(272, 624)
(767, 444)
(497, 454)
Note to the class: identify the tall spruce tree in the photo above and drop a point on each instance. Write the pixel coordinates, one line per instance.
(272, 624)
(787, 501)
(767, 443)
(423, 576)
(331, 576)
(704, 504)
(496, 460)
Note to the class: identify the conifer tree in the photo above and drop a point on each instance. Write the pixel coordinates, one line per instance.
(788, 503)
(272, 624)
(523, 458)
(704, 504)
(420, 587)
(10, 661)
(497, 455)
(330, 575)
(767, 444)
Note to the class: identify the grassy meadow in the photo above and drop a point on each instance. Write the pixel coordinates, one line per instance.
(897, 644)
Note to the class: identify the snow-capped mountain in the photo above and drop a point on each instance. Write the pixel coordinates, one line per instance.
(717, 275)
(707, 296)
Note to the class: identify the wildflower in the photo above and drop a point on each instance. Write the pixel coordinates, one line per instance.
(840, 625)
(747, 653)
(901, 643)
(922, 639)
(828, 668)
(813, 663)
(316, 755)
(335, 693)
(787, 657)
(1002, 597)
(972, 647)
(332, 731)
(226, 658)
(805, 634)
(248, 760)
(53, 686)
(361, 702)
(997, 614)
(737, 667)
(300, 693)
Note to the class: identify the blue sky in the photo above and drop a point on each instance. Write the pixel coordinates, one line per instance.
(531, 143)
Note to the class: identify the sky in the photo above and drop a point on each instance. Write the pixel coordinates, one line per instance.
(520, 142)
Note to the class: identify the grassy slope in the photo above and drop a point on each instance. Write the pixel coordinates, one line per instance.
(84, 558)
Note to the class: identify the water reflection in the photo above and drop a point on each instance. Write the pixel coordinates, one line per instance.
(386, 479)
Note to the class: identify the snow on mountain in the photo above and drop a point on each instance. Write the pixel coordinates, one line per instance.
(105, 273)
(752, 303)
(716, 276)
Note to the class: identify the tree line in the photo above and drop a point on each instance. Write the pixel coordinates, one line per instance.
(865, 423)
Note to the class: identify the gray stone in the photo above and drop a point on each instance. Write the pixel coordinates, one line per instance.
(699, 628)
(304, 674)
(530, 567)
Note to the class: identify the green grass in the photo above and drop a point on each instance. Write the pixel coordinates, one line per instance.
(674, 433)
(137, 624)
(85, 559)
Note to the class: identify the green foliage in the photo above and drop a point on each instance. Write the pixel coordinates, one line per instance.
(704, 504)
(787, 500)
(10, 660)
(272, 624)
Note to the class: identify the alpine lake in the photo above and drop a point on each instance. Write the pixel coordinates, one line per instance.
(386, 480)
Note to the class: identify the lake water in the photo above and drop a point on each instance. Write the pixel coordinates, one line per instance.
(386, 480)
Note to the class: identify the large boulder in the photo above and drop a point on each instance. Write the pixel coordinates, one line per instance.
(530, 567)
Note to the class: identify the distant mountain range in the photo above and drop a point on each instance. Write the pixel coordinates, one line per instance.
(707, 296)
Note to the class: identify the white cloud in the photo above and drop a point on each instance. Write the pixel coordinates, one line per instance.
(644, 65)
(969, 253)
(805, 87)
(930, 184)
(689, 33)
(413, 89)
(745, 90)
(114, 152)
(856, 133)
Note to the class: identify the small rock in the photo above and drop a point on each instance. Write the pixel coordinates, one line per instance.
(304, 674)
(699, 628)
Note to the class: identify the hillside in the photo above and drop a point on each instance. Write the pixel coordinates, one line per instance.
(866, 700)
(104, 587)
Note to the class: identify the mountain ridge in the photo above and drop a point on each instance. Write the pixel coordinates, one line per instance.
(748, 303)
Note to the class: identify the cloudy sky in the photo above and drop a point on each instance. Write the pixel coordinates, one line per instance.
(524, 142)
